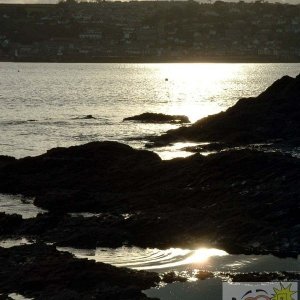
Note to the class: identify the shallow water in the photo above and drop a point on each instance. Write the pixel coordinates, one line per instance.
(8, 243)
(176, 259)
(17, 204)
(187, 263)
(43, 105)
(15, 296)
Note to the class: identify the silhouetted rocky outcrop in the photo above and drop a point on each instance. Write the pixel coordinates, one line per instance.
(273, 115)
(219, 200)
(158, 118)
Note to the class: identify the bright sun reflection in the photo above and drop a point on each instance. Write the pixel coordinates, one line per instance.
(180, 257)
(192, 89)
(203, 254)
(149, 258)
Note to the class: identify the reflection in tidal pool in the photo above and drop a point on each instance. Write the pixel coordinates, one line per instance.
(150, 259)
(187, 263)
(176, 259)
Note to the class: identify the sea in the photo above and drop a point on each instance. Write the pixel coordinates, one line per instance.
(46, 105)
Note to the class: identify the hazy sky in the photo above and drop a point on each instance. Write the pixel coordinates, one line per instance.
(55, 1)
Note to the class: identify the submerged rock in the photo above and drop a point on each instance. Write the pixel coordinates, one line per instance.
(170, 277)
(158, 118)
(211, 147)
(87, 117)
(202, 275)
(274, 114)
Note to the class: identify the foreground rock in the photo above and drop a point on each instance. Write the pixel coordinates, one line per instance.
(273, 115)
(159, 118)
(4, 160)
(220, 200)
(42, 272)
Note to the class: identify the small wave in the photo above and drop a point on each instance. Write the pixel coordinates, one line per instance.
(14, 122)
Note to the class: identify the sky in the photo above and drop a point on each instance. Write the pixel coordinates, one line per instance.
(55, 1)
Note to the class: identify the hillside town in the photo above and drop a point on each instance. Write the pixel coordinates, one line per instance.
(150, 31)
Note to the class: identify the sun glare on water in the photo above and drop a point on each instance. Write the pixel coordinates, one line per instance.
(175, 257)
(203, 254)
(203, 83)
(150, 258)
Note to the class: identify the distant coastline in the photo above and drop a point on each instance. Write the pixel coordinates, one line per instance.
(207, 59)
(150, 31)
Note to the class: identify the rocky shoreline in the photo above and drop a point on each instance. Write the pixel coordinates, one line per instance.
(256, 190)
(42, 272)
(271, 117)
(242, 201)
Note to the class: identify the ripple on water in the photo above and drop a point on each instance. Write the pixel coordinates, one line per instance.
(148, 259)
(176, 259)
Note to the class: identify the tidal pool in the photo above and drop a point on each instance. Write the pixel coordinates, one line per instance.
(187, 263)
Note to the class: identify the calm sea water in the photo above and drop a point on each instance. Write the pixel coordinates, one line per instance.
(42, 105)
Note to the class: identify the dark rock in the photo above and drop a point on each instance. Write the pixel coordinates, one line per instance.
(9, 224)
(202, 275)
(79, 232)
(158, 118)
(173, 277)
(274, 114)
(88, 117)
(92, 172)
(211, 147)
(227, 197)
(4, 160)
(42, 272)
